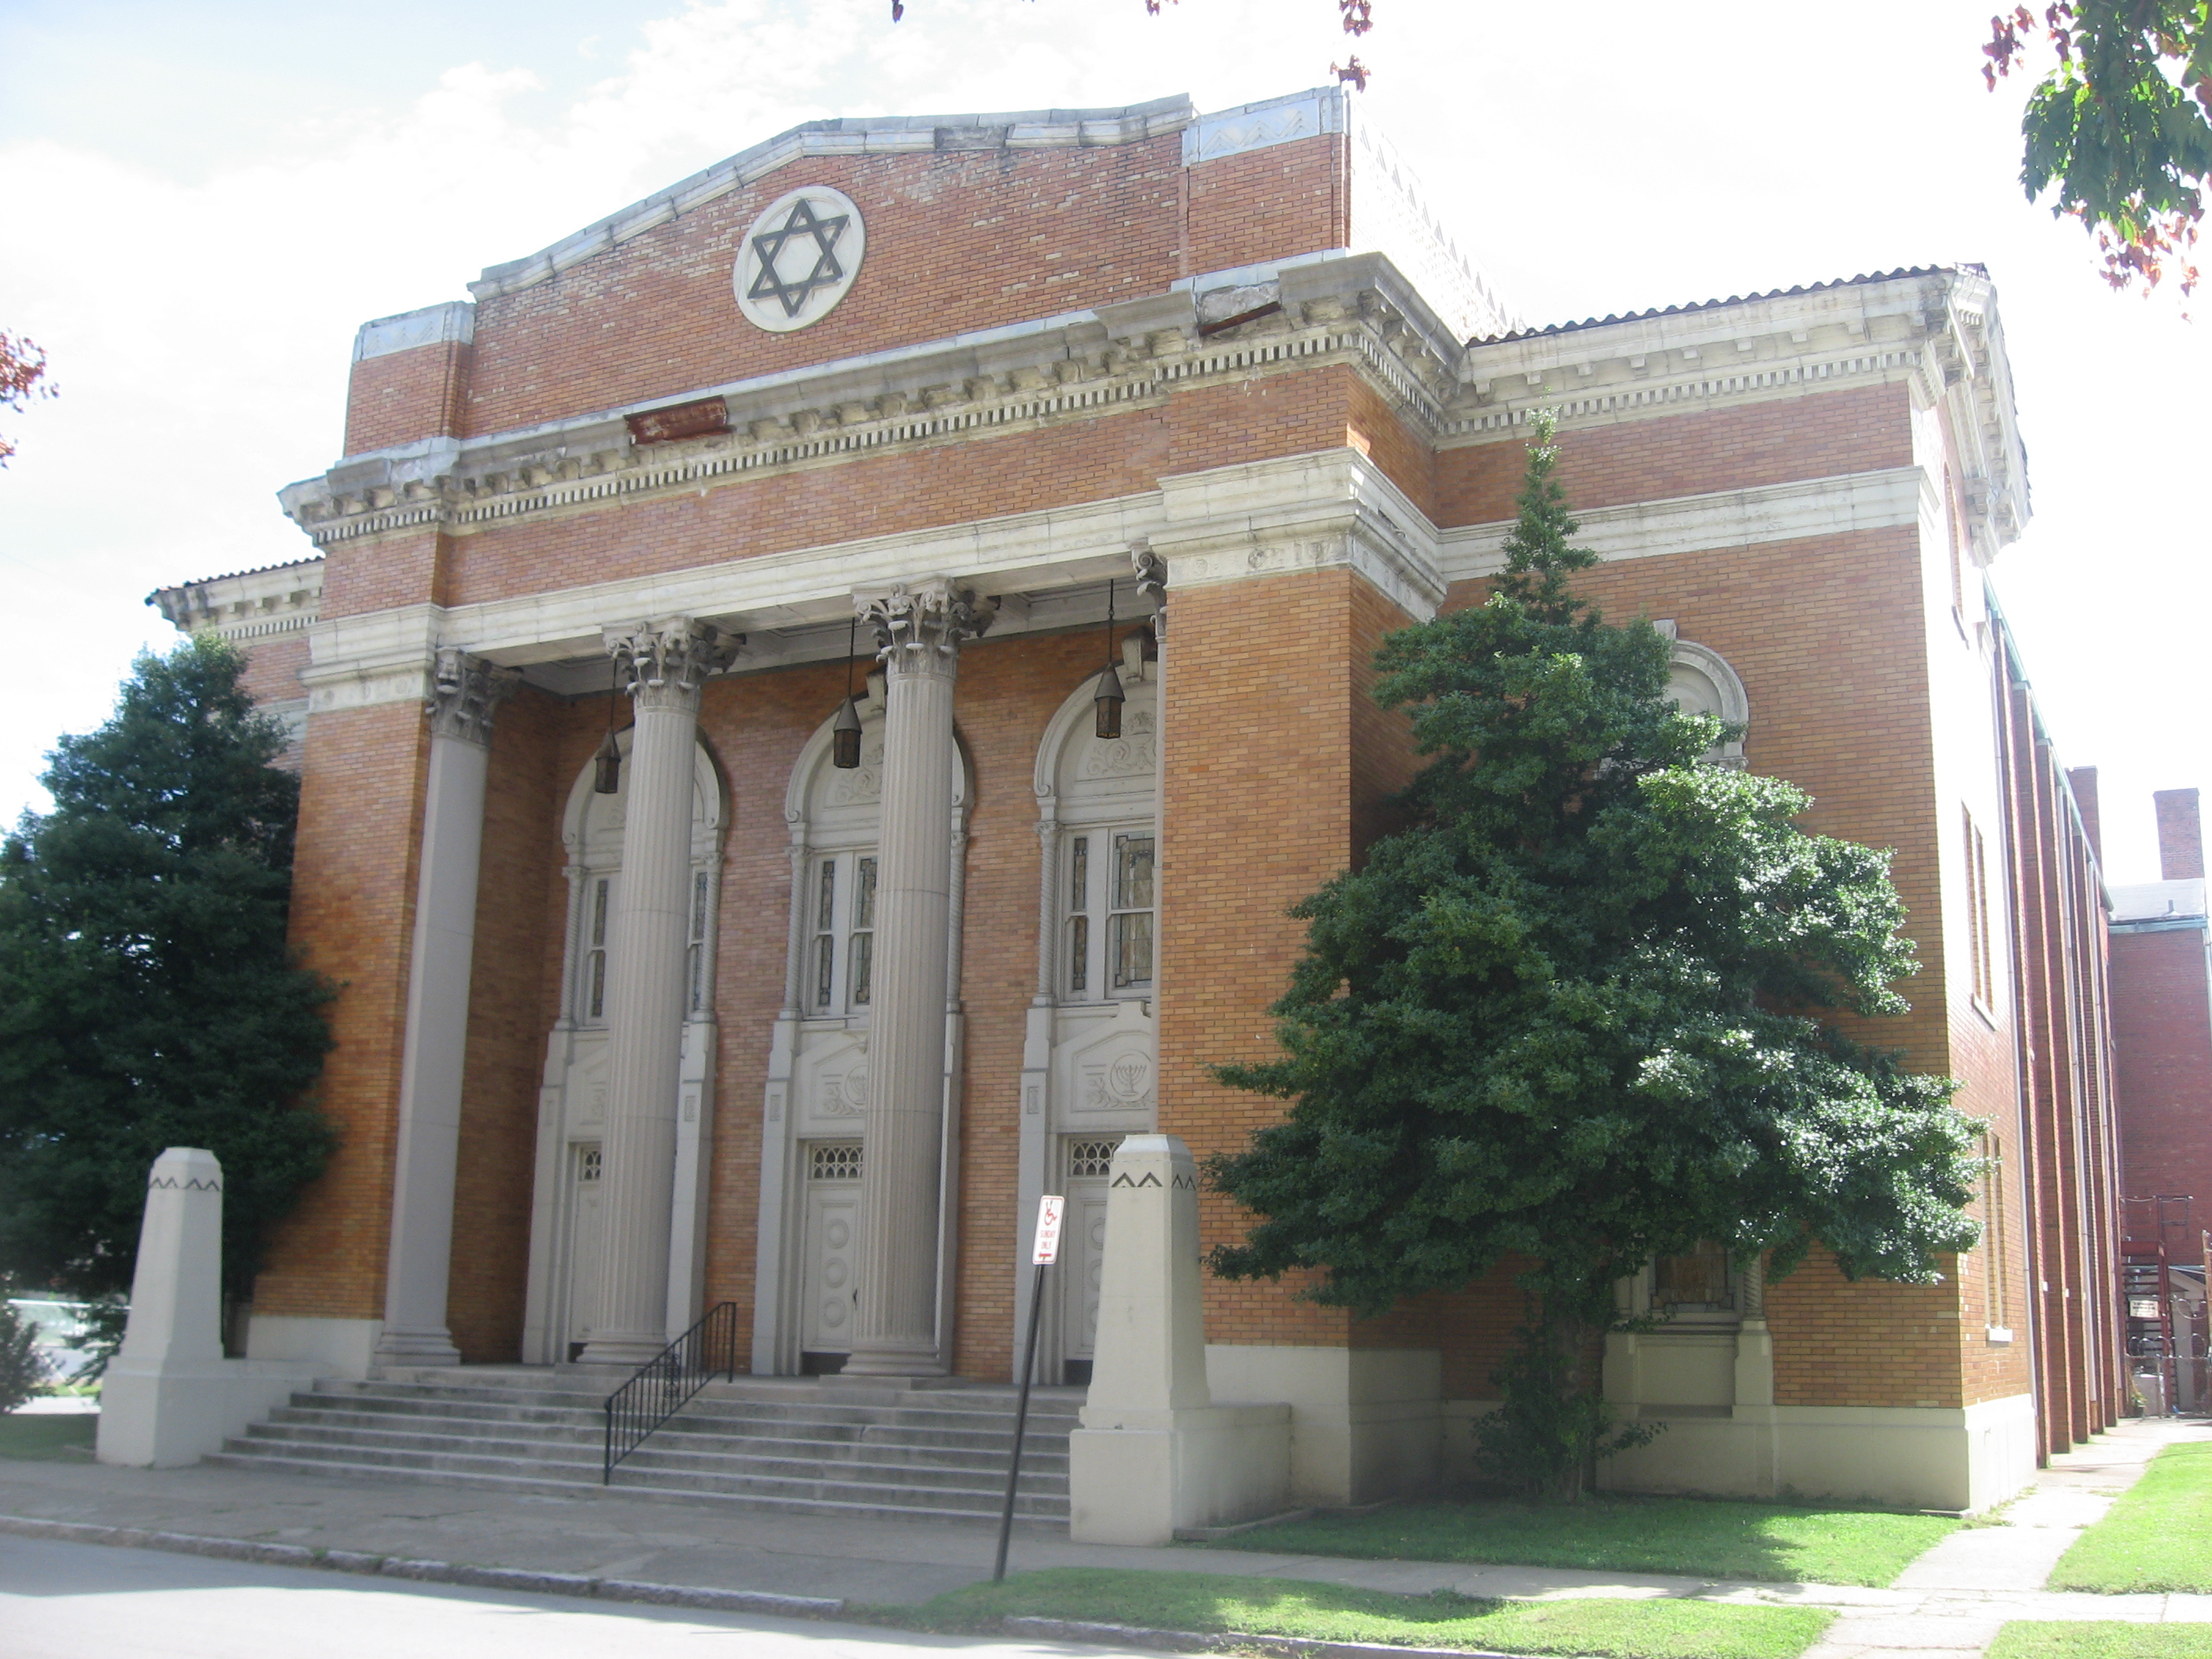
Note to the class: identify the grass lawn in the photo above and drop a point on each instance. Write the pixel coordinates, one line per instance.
(2159, 1535)
(1705, 1537)
(2035, 1639)
(50, 1438)
(1285, 1607)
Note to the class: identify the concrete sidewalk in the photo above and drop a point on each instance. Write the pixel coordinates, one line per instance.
(1949, 1602)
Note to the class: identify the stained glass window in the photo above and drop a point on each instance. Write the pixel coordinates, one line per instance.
(860, 963)
(825, 941)
(1131, 921)
(595, 953)
(1079, 921)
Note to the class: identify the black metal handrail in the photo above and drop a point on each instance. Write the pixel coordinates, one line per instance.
(665, 1384)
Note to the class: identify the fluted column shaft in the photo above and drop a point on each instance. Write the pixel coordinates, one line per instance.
(666, 663)
(465, 690)
(920, 631)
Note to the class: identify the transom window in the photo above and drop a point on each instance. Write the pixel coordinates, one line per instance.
(1107, 935)
(1092, 1157)
(835, 1160)
(840, 970)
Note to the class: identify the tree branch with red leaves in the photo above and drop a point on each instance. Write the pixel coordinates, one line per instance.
(23, 381)
(2121, 126)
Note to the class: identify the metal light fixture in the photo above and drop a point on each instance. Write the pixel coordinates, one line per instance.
(606, 764)
(845, 729)
(1109, 697)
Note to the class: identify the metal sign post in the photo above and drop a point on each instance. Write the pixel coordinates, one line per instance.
(1046, 1251)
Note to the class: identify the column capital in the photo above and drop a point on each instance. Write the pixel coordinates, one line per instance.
(920, 627)
(666, 660)
(466, 691)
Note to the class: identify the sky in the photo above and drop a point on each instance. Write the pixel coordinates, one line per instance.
(205, 199)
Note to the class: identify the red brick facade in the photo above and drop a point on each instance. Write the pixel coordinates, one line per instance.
(1874, 677)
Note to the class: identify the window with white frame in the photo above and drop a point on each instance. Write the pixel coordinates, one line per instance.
(1106, 935)
(841, 918)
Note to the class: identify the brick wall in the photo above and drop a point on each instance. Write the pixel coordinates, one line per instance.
(272, 668)
(405, 395)
(2180, 836)
(1268, 204)
(516, 932)
(2162, 1036)
(359, 577)
(353, 905)
(1821, 435)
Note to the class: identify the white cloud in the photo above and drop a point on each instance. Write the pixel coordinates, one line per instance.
(1622, 158)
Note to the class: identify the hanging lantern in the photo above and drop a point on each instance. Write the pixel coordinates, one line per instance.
(845, 729)
(845, 736)
(606, 762)
(1107, 700)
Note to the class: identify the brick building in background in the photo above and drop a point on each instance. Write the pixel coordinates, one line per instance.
(2162, 1034)
(756, 1028)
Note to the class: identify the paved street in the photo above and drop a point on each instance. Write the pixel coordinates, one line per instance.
(70, 1601)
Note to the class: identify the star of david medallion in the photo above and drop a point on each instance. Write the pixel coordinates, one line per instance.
(799, 259)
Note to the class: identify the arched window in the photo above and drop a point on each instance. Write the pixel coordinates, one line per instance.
(1702, 682)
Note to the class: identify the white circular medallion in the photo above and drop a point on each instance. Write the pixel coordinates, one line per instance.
(799, 259)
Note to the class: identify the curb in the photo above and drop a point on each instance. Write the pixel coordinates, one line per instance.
(432, 1572)
(584, 1588)
(1187, 1641)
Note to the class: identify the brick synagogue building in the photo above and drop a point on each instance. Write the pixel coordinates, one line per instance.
(754, 1027)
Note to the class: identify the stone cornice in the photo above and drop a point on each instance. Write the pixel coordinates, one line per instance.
(1047, 570)
(1357, 311)
(1936, 332)
(253, 606)
(1735, 517)
(1332, 509)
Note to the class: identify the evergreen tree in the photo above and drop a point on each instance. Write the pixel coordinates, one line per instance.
(1576, 1015)
(148, 999)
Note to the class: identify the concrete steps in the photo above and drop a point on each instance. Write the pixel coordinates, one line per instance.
(803, 1445)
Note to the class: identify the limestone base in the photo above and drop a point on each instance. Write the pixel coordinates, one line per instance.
(166, 1416)
(1153, 1473)
(1962, 1459)
(338, 1348)
(1366, 1423)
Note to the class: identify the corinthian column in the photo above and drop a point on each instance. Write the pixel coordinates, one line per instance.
(466, 691)
(920, 630)
(666, 663)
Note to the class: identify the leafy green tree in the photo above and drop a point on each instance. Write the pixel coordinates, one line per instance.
(22, 1367)
(148, 999)
(1574, 1016)
(2121, 125)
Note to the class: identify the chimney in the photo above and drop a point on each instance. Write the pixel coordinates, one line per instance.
(2082, 780)
(2180, 836)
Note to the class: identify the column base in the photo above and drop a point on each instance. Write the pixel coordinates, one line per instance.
(618, 1350)
(430, 1345)
(895, 1358)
